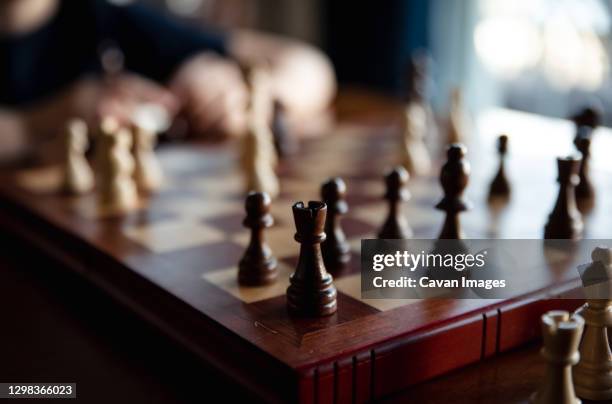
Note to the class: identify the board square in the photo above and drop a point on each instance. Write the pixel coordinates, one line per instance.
(227, 279)
(170, 235)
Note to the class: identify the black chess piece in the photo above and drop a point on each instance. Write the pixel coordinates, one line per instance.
(454, 178)
(284, 143)
(257, 266)
(336, 250)
(585, 192)
(589, 116)
(311, 292)
(396, 226)
(565, 221)
(500, 187)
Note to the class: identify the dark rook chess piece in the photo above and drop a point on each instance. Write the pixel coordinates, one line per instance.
(454, 179)
(584, 189)
(500, 187)
(336, 250)
(311, 291)
(565, 221)
(257, 266)
(396, 226)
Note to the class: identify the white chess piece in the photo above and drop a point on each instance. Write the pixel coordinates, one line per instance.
(148, 172)
(458, 122)
(414, 154)
(561, 334)
(259, 158)
(78, 176)
(115, 169)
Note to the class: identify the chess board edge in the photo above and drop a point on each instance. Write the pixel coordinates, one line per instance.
(361, 373)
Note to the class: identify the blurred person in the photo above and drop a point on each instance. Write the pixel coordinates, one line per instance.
(52, 68)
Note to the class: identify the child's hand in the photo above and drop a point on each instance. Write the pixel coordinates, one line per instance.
(119, 97)
(213, 95)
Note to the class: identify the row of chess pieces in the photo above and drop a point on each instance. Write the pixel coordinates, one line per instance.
(325, 246)
(576, 191)
(576, 347)
(124, 163)
(324, 249)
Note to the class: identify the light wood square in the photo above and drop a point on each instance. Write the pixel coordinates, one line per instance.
(43, 180)
(227, 279)
(194, 208)
(172, 235)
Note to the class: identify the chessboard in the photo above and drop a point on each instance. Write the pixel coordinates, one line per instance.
(174, 259)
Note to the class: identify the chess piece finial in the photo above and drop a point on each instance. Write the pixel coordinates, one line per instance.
(561, 334)
(311, 291)
(78, 176)
(593, 374)
(257, 266)
(336, 250)
(603, 255)
(500, 187)
(396, 226)
(565, 221)
(589, 116)
(148, 172)
(454, 178)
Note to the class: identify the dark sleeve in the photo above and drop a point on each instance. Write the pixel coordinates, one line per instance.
(154, 44)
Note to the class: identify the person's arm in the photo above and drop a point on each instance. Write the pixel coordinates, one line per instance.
(214, 94)
(37, 127)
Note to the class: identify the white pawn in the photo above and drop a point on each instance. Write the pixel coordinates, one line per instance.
(259, 157)
(78, 177)
(458, 122)
(148, 172)
(117, 190)
(561, 334)
(414, 153)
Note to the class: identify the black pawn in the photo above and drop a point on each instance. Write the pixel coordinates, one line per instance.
(589, 116)
(396, 226)
(257, 266)
(284, 143)
(585, 192)
(311, 292)
(500, 187)
(336, 250)
(565, 221)
(454, 178)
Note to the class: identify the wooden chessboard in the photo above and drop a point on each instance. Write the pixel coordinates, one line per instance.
(174, 260)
